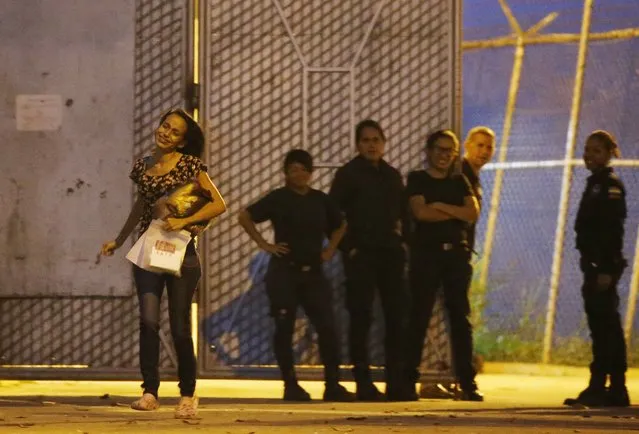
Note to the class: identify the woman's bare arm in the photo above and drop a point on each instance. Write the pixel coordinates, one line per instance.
(131, 222)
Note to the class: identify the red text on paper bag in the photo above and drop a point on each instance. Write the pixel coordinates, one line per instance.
(164, 246)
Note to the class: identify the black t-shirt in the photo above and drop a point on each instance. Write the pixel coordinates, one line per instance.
(300, 220)
(451, 190)
(473, 179)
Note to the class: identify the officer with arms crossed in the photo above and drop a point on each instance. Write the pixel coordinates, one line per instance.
(442, 205)
(479, 149)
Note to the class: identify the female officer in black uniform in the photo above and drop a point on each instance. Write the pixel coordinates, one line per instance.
(370, 193)
(301, 218)
(600, 228)
(442, 205)
(479, 147)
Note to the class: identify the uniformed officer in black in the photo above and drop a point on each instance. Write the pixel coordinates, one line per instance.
(479, 149)
(301, 217)
(600, 229)
(442, 205)
(369, 192)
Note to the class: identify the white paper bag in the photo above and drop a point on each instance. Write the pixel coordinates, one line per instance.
(166, 256)
(160, 251)
(135, 254)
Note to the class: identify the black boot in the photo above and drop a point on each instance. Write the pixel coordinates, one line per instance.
(369, 392)
(438, 391)
(397, 389)
(617, 395)
(292, 390)
(335, 392)
(295, 392)
(594, 395)
(366, 390)
(470, 392)
(409, 380)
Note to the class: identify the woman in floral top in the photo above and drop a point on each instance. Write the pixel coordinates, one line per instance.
(179, 142)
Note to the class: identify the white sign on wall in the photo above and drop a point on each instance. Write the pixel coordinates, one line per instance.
(38, 112)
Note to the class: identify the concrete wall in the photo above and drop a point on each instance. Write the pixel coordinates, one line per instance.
(64, 192)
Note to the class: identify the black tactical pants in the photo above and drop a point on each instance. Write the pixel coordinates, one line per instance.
(288, 287)
(604, 321)
(368, 270)
(446, 267)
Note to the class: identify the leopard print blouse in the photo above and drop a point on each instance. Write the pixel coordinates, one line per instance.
(151, 188)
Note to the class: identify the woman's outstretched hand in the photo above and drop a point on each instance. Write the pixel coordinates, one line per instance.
(109, 248)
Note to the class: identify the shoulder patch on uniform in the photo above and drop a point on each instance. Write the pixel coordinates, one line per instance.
(614, 192)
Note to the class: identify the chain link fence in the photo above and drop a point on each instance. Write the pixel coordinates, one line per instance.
(512, 306)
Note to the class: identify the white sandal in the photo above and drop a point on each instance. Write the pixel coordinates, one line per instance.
(187, 407)
(148, 402)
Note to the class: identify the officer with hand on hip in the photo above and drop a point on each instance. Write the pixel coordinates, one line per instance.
(301, 217)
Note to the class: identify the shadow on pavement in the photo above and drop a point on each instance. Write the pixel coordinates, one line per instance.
(117, 400)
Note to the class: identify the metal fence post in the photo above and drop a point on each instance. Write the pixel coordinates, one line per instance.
(632, 295)
(515, 79)
(495, 198)
(562, 216)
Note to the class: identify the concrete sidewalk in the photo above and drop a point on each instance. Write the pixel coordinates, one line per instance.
(514, 403)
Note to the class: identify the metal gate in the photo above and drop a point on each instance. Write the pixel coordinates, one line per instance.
(281, 74)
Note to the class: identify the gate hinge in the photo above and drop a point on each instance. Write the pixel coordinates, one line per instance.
(193, 96)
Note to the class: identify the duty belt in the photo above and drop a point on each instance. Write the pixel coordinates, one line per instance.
(447, 247)
(303, 268)
(450, 246)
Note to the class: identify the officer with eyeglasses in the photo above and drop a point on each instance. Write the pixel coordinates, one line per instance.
(443, 207)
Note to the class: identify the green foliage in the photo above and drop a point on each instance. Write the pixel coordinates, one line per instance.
(521, 337)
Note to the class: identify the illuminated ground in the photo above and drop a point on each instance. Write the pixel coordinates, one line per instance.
(514, 404)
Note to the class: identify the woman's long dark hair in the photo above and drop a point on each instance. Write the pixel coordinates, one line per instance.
(193, 137)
